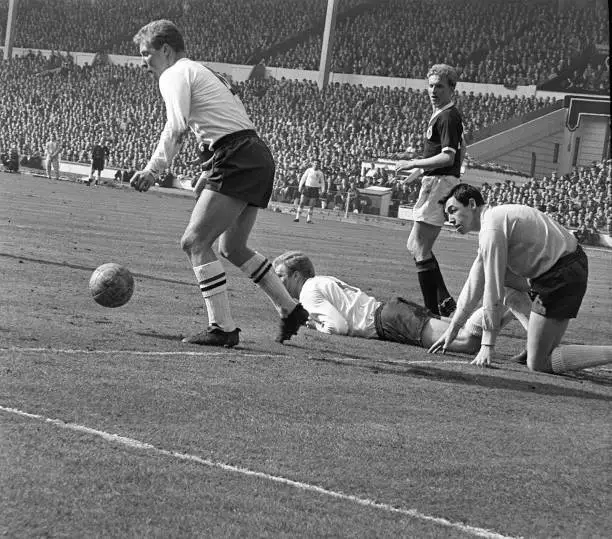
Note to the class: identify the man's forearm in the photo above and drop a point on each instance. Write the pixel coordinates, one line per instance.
(436, 161)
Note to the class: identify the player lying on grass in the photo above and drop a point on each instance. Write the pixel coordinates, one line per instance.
(527, 243)
(338, 308)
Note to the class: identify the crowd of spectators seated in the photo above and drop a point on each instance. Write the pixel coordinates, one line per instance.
(341, 125)
(591, 79)
(215, 30)
(510, 42)
(497, 42)
(581, 201)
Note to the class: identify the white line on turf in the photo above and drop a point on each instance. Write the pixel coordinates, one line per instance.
(436, 361)
(340, 359)
(130, 352)
(137, 444)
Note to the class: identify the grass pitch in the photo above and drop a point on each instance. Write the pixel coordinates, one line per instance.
(111, 427)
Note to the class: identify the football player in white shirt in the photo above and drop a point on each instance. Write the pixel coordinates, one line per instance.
(311, 188)
(338, 308)
(523, 243)
(53, 149)
(238, 181)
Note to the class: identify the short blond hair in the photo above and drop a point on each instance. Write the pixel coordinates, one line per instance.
(446, 72)
(156, 33)
(296, 261)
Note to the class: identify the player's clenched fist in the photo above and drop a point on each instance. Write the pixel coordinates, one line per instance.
(142, 180)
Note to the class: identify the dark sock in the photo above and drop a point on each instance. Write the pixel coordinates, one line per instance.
(443, 293)
(428, 271)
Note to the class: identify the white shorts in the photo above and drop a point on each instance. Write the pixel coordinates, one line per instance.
(428, 208)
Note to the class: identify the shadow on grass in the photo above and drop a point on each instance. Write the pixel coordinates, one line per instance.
(89, 268)
(165, 336)
(483, 378)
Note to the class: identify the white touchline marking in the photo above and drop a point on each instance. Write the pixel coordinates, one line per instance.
(366, 502)
(132, 352)
(214, 354)
(401, 361)
(246, 354)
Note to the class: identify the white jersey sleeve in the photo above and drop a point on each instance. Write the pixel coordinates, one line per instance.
(339, 308)
(196, 99)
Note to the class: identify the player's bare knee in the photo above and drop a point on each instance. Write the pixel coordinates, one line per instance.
(188, 241)
(538, 364)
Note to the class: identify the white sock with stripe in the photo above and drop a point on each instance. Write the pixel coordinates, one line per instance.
(259, 269)
(213, 284)
(579, 356)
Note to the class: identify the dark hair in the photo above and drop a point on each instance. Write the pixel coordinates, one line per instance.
(463, 193)
(156, 33)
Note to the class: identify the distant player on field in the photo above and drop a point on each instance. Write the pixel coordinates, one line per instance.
(341, 309)
(311, 188)
(526, 243)
(442, 157)
(239, 182)
(53, 149)
(99, 155)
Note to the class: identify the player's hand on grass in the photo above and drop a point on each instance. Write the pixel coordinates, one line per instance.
(143, 180)
(484, 357)
(445, 340)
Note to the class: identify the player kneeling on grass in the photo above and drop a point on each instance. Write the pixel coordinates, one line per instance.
(338, 308)
(238, 180)
(527, 243)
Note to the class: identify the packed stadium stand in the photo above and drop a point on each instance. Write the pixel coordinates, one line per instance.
(509, 42)
(341, 125)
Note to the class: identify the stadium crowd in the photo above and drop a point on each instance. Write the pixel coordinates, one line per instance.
(516, 42)
(581, 201)
(340, 125)
(498, 42)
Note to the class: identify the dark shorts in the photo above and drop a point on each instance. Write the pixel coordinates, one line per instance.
(243, 168)
(97, 164)
(310, 193)
(400, 320)
(558, 292)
